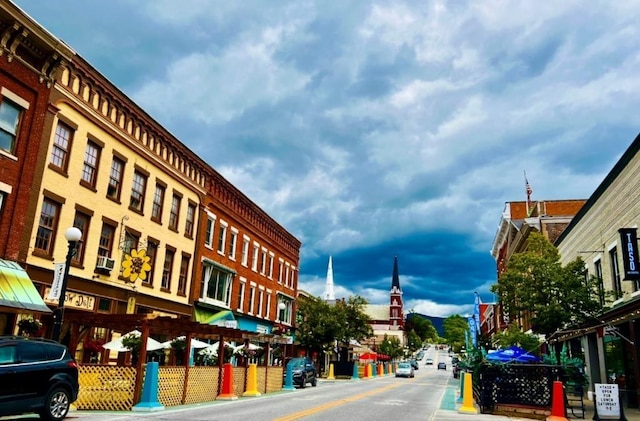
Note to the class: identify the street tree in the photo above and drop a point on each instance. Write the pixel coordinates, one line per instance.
(391, 346)
(454, 328)
(413, 341)
(535, 286)
(353, 321)
(422, 326)
(515, 336)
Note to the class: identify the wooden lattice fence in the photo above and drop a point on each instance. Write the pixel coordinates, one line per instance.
(202, 385)
(106, 388)
(171, 385)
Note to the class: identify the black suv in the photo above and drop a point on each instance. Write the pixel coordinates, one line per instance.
(304, 371)
(36, 375)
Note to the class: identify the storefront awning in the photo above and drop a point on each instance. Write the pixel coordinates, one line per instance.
(17, 290)
(221, 318)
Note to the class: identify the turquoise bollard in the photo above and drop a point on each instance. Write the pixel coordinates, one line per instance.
(149, 399)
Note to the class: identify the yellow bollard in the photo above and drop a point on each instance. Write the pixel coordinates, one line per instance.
(468, 406)
(252, 381)
(330, 376)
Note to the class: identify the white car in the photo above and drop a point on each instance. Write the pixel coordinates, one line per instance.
(404, 370)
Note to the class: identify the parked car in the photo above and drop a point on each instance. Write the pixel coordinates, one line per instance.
(414, 364)
(36, 375)
(405, 369)
(429, 361)
(304, 371)
(442, 366)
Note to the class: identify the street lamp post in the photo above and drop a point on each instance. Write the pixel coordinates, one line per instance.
(73, 236)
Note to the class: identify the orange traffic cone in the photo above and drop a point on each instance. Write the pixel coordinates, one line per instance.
(227, 383)
(558, 410)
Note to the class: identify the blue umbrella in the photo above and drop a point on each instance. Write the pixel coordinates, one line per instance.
(513, 354)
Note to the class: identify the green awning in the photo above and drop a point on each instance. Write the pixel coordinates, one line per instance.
(17, 289)
(212, 318)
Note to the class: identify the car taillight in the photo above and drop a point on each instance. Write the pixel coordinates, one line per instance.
(72, 364)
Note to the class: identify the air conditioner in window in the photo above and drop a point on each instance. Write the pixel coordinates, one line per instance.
(105, 263)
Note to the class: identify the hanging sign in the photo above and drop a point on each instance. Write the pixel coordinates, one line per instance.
(56, 285)
(607, 401)
(629, 240)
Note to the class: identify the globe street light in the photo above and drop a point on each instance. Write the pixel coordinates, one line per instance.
(73, 236)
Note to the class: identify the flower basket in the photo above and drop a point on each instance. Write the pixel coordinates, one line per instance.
(29, 326)
(93, 344)
(178, 345)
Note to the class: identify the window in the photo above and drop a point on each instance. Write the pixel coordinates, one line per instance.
(233, 241)
(47, 226)
(184, 271)
(222, 237)
(263, 261)
(598, 274)
(615, 273)
(106, 240)
(138, 189)
(216, 285)
(10, 114)
(284, 315)
(243, 285)
(260, 302)
(81, 221)
(167, 269)
(61, 146)
(292, 285)
(245, 251)
(190, 222)
(130, 242)
(252, 297)
(115, 179)
(268, 311)
(174, 213)
(287, 267)
(158, 202)
(208, 236)
(254, 258)
(271, 257)
(280, 270)
(90, 166)
(152, 252)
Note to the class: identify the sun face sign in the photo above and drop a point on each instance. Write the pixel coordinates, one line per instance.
(136, 266)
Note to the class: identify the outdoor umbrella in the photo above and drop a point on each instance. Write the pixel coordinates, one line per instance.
(194, 343)
(251, 346)
(213, 348)
(116, 344)
(513, 354)
(368, 356)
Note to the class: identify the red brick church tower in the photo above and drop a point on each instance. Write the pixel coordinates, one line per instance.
(396, 315)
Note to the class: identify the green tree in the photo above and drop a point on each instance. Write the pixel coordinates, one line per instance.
(353, 321)
(536, 286)
(317, 324)
(391, 346)
(413, 341)
(422, 326)
(454, 328)
(514, 336)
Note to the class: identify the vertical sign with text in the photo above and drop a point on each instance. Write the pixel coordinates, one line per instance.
(56, 285)
(629, 239)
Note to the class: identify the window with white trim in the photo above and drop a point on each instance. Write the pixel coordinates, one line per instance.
(284, 314)
(254, 258)
(263, 261)
(286, 274)
(252, 297)
(245, 250)
(271, 258)
(233, 243)
(241, 290)
(267, 312)
(208, 234)
(12, 108)
(280, 270)
(222, 236)
(216, 285)
(260, 300)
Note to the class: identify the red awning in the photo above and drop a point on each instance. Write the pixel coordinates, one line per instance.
(368, 356)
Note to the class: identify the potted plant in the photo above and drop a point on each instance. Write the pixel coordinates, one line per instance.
(92, 346)
(29, 326)
(134, 343)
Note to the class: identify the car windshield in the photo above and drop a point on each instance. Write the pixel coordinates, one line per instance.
(297, 363)
(404, 365)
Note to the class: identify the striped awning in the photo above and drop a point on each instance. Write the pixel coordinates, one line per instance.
(17, 290)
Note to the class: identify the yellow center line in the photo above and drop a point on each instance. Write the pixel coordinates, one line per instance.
(333, 404)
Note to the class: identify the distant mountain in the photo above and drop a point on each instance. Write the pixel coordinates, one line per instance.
(436, 321)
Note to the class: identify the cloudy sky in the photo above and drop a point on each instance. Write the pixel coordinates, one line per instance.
(371, 129)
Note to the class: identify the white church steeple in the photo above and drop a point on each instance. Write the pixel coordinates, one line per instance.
(329, 295)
